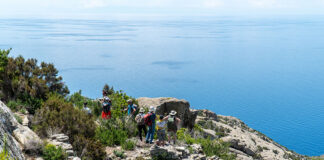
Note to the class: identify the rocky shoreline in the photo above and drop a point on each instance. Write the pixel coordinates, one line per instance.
(244, 142)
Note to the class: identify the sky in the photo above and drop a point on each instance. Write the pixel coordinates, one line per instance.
(100, 9)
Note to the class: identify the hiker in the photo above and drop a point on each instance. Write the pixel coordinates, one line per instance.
(106, 106)
(141, 123)
(86, 108)
(172, 125)
(131, 108)
(160, 127)
(149, 119)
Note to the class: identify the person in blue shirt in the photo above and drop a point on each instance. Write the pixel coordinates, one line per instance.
(131, 108)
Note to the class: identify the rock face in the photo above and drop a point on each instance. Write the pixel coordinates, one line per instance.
(245, 142)
(29, 140)
(7, 126)
(164, 105)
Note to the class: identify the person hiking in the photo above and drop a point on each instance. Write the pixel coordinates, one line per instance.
(141, 123)
(106, 106)
(160, 131)
(86, 108)
(172, 125)
(149, 119)
(131, 108)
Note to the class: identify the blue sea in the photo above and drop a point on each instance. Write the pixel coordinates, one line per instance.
(269, 72)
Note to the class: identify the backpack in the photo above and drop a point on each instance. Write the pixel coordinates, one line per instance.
(106, 107)
(140, 120)
(147, 119)
(172, 124)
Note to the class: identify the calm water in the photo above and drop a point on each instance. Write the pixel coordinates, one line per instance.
(269, 72)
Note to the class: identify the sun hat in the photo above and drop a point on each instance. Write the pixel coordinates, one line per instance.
(129, 101)
(152, 109)
(106, 98)
(173, 113)
(142, 110)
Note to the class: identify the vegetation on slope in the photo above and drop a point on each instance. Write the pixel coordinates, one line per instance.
(37, 88)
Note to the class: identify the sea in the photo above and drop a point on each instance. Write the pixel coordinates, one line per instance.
(267, 71)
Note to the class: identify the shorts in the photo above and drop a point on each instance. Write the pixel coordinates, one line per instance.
(172, 133)
(105, 115)
(161, 135)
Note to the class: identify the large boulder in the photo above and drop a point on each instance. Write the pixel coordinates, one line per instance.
(28, 139)
(7, 125)
(164, 105)
(169, 152)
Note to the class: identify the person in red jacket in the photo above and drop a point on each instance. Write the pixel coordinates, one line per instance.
(106, 107)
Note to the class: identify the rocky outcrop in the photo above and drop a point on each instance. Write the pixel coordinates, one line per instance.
(164, 106)
(62, 140)
(245, 142)
(29, 140)
(7, 126)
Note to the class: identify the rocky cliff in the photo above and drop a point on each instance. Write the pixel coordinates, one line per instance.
(7, 126)
(245, 142)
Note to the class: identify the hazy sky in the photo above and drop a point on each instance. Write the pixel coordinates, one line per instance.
(128, 8)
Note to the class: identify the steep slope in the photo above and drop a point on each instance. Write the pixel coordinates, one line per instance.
(7, 126)
(246, 142)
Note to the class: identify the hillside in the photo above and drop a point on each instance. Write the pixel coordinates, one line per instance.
(204, 135)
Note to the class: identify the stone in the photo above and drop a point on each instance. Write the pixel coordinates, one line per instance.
(8, 124)
(28, 139)
(69, 152)
(25, 121)
(62, 139)
(164, 153)
(197, 157)
(196, 148)
(213, 158)
(163, 106)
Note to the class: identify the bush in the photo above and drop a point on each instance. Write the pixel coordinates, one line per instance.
(183, 135)
(89, 149)
(18, 118)
(128, 145)
(112, 132)
(50, 152)
(210, 147)
(58, 113)
(4, 155)
(119, 154)
(216, 147)
(14, 105)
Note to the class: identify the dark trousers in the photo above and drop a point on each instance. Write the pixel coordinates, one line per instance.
(140, 128)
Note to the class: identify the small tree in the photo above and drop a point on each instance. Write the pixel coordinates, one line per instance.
(108, 90)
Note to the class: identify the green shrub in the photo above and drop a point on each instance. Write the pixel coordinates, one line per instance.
(56, 112)
(22, 110)
(14, 105)
(18, 118)
(183, 135)
(119, 154)
(128, 145)
(112, 132)
(216, 147)
(4, 155)
(89, 149)
(50, 152)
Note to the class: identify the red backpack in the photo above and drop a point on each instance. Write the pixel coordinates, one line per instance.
(147, 119)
